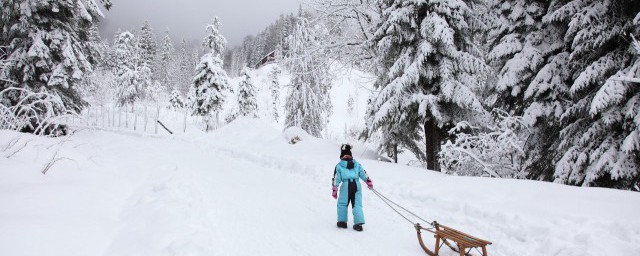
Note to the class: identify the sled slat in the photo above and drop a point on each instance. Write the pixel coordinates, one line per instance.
(458, 241)
(465, 235)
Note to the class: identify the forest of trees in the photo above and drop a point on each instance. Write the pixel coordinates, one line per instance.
(255, 48)
(523, 89)
(528, 89)
(554, 64)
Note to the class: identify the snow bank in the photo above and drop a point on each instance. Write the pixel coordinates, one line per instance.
(295, 134)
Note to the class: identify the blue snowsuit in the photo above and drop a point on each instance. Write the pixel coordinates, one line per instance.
(347, 172)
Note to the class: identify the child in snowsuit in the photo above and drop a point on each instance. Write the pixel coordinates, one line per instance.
(347, 172)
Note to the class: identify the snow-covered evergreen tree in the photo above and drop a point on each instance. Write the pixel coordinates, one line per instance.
(175, 100)
(307, 105)
(274, 88)
(147, 46)
(426, 79)
(532, 75)
(518, 47)
(51, 46)
(4, 64)
(167, 63)
(210, 80)
(126, 69)
(185, 69)
(237, 62)
(556, 62)
(146, 84)
(258, 53)
(599, 142)
(247, 101)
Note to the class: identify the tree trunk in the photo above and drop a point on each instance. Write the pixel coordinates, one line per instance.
(395, 153)
(433, 138)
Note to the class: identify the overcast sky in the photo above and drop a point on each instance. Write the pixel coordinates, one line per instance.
(187, 18)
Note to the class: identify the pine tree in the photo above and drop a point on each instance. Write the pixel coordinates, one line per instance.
(307, 105)
(148, 87)
(599, 141)
(185, 69)
(95, 41)
(258, 52)
(126, 69)
(109, 60)
(175, 100)
(52, 45)
(237, 62)
(166, 63)
(211, 79)
(247, 101)
(285, 31)
(426, 80)
(147, 46)
(532, 75)
(274, 88)
(557, 62)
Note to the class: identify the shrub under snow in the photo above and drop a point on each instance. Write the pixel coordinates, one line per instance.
(36, 112)
(495, 150)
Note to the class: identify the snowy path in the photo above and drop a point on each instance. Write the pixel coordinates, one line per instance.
(237, 206)
(244, 191)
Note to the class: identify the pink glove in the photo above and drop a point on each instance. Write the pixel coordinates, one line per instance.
(369, 184)
(334, 194)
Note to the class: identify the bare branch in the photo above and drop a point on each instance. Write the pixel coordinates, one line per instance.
(15, 151)
(12, 142)
(60, 143)
(54, 159)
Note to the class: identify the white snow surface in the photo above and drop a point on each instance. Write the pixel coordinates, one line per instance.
(243, 190)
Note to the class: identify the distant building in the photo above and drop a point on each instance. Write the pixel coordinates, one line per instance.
(269, 58)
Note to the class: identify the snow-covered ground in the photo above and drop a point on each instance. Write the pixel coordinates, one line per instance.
(243, 190)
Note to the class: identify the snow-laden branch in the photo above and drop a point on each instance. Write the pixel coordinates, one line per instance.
(349, 25)
(485, 167)
(495, 148)
(636, 80)
(626, 79)
(5, 63)
(37, 112)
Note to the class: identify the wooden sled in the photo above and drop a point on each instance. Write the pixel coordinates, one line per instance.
(458, 241)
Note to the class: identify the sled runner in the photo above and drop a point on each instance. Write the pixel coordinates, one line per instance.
(464, 243)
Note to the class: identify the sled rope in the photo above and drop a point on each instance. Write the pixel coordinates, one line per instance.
(389, 202)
